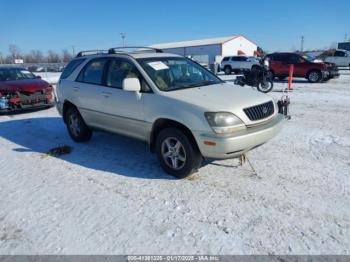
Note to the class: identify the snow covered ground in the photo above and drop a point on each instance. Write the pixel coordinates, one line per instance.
(110, 195)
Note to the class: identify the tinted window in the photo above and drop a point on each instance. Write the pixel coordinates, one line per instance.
(120, 69)
(295, 59)
(92, 73)
(279, 57)
(339, 53)
(72, 65)
(235, 58)
(242, 58)
(225, 58)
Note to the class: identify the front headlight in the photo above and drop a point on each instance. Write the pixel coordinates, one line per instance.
(266, 63)
(224, 122)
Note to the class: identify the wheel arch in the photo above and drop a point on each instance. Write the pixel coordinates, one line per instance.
(163, 123)
(67, 104)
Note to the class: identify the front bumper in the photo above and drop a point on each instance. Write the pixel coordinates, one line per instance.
(234, 145)
(334, 73)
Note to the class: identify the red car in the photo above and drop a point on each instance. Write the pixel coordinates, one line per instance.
(279, 64)
(21, 89)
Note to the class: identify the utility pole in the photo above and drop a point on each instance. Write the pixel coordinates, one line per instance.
(302, 44)
(73, 50)
(346, 37)
(123, 35)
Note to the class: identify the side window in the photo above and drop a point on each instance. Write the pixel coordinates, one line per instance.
(243, 58)
(295, 59)
(284, 58)
(339, 54)
(235, 58)
(92, 73)
(226, 58)
(72, 65)
(119, 69)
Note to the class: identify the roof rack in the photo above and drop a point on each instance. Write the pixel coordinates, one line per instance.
(138, 49)
(91, 52)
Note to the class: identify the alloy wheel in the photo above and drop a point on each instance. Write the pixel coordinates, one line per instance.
(173, 153)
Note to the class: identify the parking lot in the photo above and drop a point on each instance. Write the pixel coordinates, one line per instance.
(111, 194)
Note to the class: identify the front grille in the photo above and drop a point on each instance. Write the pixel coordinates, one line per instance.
(260, 111)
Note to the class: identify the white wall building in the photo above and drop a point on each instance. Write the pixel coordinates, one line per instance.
(207, 51)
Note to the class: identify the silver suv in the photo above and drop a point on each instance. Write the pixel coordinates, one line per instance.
(183, 111)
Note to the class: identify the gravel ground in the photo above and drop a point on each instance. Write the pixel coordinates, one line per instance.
(110, 195)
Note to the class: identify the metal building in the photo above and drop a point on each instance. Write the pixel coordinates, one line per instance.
(208, 51)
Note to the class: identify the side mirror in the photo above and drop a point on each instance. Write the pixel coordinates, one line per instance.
(132, 84)
(38, 77)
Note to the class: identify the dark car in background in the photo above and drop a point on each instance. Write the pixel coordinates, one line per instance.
(21, 89)
(313, 71)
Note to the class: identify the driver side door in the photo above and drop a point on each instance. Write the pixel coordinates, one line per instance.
(123, 110)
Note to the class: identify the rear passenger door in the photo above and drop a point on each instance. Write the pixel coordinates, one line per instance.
(123, 110)
(87, 89)
(281, 65)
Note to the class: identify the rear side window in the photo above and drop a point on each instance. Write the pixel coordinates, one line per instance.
(72, 65)
(235, 58)
(339, 53)
(280, 57)
(226, 58)
(92, 73)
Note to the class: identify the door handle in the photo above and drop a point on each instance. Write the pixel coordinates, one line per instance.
(106, 94)
(76, 89)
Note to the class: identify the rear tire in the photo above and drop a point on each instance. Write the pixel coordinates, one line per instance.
(314, 76)
(228, 70)
(176, 154)
(76, 126)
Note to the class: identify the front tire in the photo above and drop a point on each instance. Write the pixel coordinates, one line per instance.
(265, 87)
(176, 154)
(314, 76)
(76, 126)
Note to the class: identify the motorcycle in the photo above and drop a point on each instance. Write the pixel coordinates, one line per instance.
(259, 76)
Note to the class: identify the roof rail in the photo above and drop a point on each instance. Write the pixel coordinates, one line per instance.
(138, 49)
(91, 52)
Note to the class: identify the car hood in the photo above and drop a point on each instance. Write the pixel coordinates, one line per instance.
(27, 85)
(221, 97)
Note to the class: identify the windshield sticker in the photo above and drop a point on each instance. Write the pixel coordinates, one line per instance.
(158, 65)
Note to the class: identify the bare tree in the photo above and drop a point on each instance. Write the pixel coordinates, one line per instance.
(14, 52)
(53, 57)
(38, 56)
(66, 56)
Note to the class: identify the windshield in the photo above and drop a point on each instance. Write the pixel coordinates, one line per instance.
(8, 74)
(174, 73)
(309, 58)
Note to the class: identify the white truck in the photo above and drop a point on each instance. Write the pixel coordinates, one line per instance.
(339, 58)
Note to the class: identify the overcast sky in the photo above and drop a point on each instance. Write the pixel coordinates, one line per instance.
(274, 25)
